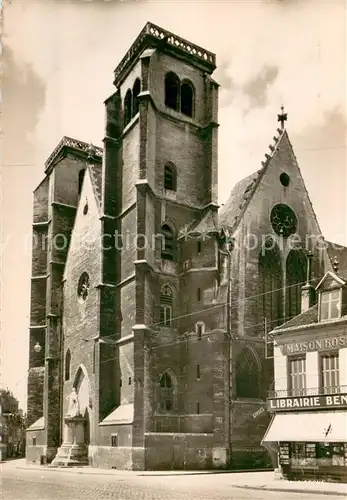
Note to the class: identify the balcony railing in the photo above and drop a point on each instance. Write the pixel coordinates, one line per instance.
(310, 391)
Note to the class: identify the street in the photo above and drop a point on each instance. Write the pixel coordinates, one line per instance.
(22, 484)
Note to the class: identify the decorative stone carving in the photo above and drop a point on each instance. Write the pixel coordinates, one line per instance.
(74, 405)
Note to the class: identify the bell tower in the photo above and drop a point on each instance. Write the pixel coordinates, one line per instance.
(161, 152)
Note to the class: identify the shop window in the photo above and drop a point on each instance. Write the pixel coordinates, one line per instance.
(310, 450)
(330, 305)
(330, 373)
(324, 450)
(297, 375)
(298, 450)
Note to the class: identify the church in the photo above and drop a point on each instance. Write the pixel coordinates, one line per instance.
(150, 306)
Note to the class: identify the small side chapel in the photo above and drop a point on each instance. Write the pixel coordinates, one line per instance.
(148, 305)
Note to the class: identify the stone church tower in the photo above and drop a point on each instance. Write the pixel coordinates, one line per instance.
(139, 302)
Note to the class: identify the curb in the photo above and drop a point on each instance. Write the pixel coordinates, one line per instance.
(288, 490)
(85, 470)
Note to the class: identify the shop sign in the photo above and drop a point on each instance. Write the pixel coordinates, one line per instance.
(314, 345)
(306, 403)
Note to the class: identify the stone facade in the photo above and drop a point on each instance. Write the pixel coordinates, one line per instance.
(149, 336)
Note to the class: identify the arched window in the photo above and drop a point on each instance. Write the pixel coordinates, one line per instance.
(67, 365)
(166, 392)
(166, 301)
(247, 375)
(167, 249)
(172, 91)
(271, 288)
(136, 91)
(170, 177)
(127, 107)
(296, 269)
(80, 180)
(199, 329)
(187, 99)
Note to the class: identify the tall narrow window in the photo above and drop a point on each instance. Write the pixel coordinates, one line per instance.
(297, 376)
(270, 279)
(330, 373)
(167, 250)
(166, 306)
(187, 99)
(80, 180)
(199, 294)
(296, 269)
(247, 375)
(136, 91)
(172, 91)
(170, 177)
(198, 371)
(166, 392)
(67, 365)
(198, 407)
(330, 305)
(199, 328)
(198, 246)
(127, 107)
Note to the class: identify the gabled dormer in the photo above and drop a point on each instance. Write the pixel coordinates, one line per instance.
(332, 296)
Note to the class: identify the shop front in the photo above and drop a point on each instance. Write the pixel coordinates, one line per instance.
(311, 445)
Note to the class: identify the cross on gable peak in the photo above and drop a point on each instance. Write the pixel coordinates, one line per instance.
(282, 117)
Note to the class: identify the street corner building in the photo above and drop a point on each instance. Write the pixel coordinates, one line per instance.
(149, 305)
(308, 430)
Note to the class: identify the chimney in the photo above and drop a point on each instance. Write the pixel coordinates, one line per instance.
(308, 291)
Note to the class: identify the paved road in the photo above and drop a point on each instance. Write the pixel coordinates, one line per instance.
(21, 484)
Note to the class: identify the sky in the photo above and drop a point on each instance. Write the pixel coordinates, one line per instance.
(57, 69)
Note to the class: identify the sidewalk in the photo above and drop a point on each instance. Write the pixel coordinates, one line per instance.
(266, 481)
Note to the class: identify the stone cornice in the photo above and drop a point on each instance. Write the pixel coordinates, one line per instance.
(153, 36)
(79, 148)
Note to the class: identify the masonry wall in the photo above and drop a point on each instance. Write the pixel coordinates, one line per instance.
(81, 318)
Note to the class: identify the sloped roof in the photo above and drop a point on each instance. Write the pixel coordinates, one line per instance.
(206, 224)
(339, 251)
(230, 214)
(242, 191)
(38, 425)
(124, 414)
(306, 318)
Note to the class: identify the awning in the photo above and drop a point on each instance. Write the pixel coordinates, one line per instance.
(320, 427)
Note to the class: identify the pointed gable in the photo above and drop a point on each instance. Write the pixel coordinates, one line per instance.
(330, 281)
(87, 228)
